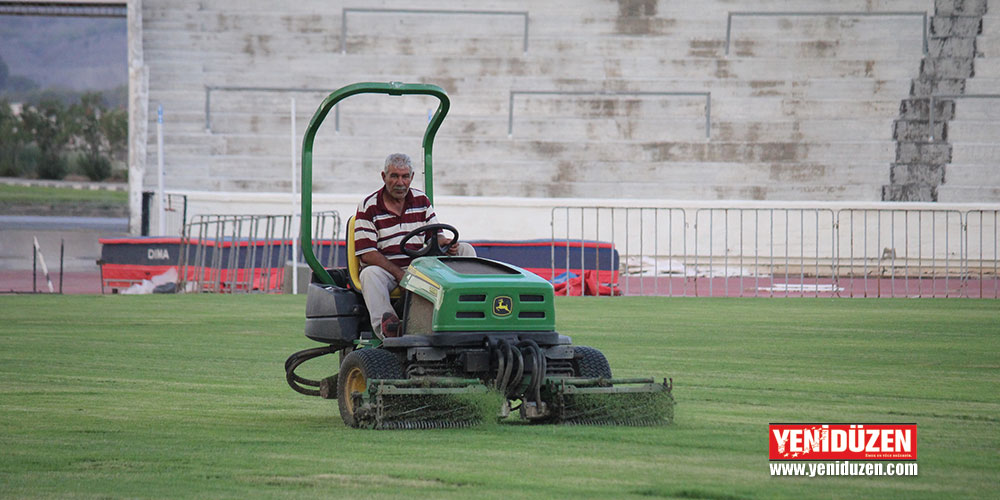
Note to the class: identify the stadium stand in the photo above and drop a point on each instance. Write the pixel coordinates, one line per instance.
(643, 99)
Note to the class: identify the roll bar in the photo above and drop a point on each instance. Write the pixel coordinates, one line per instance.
(391, 88)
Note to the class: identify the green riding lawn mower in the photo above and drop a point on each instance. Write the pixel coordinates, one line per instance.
(478, 337)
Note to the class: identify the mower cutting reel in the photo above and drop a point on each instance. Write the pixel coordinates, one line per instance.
(478, 336)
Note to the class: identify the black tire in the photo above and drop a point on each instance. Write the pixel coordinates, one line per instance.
(357, 368)
(590, 363)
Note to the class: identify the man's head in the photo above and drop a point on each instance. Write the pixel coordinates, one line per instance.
(397, 175)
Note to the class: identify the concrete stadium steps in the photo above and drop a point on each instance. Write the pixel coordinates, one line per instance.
(647, 190)
(836, 130)
(763, 107)
(179, 122)
(338, 174)
(596, 117)
(665, 128)
(975, 131)
(823, 36)
(514, 187)
(669, 128)
(712, 173)
(987, 68)
(977, 109)
(565, 149)
(814, 46)
(988, 40)
(967, 194)
(804, 88)
(659, 151)
(769, 101)
(478, 97)
(959, 175)
(345, 175)
(826, 48)
(989, 44)
(227, 69)
(502, 35)
(976, 153)
(983, 85)
(197, 143)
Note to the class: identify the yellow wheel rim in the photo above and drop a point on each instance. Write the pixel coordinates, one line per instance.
(355, 383)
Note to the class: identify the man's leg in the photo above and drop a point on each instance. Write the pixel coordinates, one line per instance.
(465, 250)
(376, 283)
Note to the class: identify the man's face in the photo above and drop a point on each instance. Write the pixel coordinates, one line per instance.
(397, 182)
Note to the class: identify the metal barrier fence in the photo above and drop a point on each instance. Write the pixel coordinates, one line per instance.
(788, 252)
(175, 213)
(249, 253)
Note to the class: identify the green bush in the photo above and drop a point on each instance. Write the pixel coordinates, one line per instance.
(9, 168)
(96, 168)
(11, 137)
(8, 163)
(27, 160)
(52, 166)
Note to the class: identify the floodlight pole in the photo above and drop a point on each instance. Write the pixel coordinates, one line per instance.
(161, 222)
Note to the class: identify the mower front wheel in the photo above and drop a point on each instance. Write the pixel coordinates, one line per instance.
(356, 370)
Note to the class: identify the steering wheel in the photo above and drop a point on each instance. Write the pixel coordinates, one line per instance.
(431, 246)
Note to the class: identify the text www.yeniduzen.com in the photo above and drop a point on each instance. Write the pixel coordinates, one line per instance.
(812, 469)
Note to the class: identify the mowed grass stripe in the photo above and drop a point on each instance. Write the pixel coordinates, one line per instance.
(184, 396)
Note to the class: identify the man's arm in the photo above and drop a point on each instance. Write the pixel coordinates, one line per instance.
(377, 259)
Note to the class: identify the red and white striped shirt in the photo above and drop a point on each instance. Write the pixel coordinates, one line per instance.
(376, 228)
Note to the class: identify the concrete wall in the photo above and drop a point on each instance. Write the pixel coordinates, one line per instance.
(802, 108)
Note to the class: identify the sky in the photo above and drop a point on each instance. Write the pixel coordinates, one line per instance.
(66, 52)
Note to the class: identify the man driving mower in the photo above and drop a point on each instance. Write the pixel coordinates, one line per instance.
(382, 220)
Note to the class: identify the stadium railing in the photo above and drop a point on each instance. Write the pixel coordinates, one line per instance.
(789, 252)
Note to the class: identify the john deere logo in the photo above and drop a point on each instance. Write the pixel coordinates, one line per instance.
(502, 306)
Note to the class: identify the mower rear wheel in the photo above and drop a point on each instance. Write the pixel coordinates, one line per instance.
(357, 368)
(590, 363)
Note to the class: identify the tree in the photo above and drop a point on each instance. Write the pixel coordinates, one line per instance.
(84, 121)
(101, 134)
(46, 124)
(38, 140)
(114, 126)
(11, 141)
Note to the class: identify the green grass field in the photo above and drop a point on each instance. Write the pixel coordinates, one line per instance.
(184, 396)
(41, 194)
(40, 200)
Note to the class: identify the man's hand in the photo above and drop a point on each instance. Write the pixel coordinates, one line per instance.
(442, 241)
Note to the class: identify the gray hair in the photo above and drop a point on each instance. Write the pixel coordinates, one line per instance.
(397, 160)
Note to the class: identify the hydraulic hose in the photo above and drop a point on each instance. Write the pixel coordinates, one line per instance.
(296, 382)
(518, 373)
(538, 367)
(511, 364)
(500, 383)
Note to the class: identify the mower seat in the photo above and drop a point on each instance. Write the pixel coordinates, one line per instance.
(354, 263)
